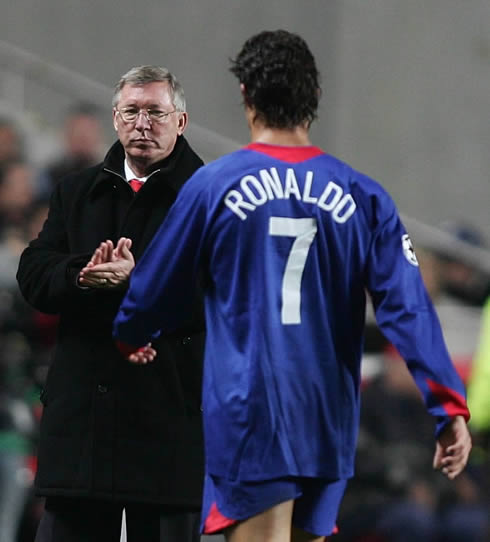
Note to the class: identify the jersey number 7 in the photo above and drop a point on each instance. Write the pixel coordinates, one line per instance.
(304, 231)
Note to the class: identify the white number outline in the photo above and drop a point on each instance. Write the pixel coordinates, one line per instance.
(304, 231)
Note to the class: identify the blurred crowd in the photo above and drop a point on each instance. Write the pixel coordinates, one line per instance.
(27, 336)
(395, 497)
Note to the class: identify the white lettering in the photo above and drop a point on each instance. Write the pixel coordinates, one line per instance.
(348, 201)
(268, 185)
(307, 190)
(244, 184)
(291, 185)
(237, 203)
(322, 202)
(272, 183)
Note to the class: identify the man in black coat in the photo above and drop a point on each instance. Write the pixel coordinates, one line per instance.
(116, 435)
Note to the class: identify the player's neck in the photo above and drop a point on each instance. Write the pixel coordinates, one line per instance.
(296, 137)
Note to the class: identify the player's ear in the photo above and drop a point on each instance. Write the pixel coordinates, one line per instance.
(243, 91)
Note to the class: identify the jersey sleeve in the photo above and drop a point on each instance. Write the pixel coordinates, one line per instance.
(162, 286)
(406, 316)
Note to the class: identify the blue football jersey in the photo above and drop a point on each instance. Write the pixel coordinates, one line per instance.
(288, 240)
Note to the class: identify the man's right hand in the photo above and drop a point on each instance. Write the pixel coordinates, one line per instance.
(108, 267)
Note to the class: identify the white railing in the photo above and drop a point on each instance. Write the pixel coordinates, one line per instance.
(436, 239)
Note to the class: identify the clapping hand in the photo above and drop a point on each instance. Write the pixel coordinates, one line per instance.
(108, 267)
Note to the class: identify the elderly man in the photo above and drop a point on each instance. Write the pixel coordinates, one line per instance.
(116, 435)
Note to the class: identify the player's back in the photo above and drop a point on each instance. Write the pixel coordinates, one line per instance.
(289, 233)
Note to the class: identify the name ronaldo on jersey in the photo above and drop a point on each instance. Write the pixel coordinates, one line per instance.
(255, 190)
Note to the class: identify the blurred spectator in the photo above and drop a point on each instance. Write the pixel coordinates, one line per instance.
(36, 328)
(10, 141)
(16, 202)
(460, 320)
(479, 382)
(16, 193)
(459, 279)
(26, 337)
(16, 427)
(82, 142)
(479, 401)
(395, 497)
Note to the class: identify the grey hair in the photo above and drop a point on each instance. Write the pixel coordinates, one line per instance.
(143, 75)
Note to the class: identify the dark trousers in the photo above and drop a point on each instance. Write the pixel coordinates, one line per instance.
(87, 520)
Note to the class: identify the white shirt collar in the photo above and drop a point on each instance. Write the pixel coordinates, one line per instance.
(129, 173)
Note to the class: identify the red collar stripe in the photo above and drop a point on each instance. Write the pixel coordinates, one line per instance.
(287, 154)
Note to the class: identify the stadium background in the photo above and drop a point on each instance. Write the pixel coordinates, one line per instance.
(405, 85)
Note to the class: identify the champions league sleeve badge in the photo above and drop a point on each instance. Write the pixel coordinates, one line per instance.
(408, 250)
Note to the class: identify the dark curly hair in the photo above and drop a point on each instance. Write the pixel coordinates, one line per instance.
(280, 77)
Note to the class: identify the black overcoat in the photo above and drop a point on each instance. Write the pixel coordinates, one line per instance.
(111, 429)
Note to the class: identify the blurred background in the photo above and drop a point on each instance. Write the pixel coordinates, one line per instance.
(405, 100)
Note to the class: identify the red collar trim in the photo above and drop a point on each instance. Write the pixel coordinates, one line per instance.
(285, 153)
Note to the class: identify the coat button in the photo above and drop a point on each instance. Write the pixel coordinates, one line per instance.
(101, 388)
(186, 340)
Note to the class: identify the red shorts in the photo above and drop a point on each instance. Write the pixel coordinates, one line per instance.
(316, 506)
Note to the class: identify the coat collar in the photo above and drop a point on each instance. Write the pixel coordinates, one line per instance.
(173, 170)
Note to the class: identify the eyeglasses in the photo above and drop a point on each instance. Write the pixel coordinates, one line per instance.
(130, 114)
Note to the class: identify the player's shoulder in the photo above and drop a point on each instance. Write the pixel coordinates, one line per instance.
(358, 181)
(368, 193)
(373, 201)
